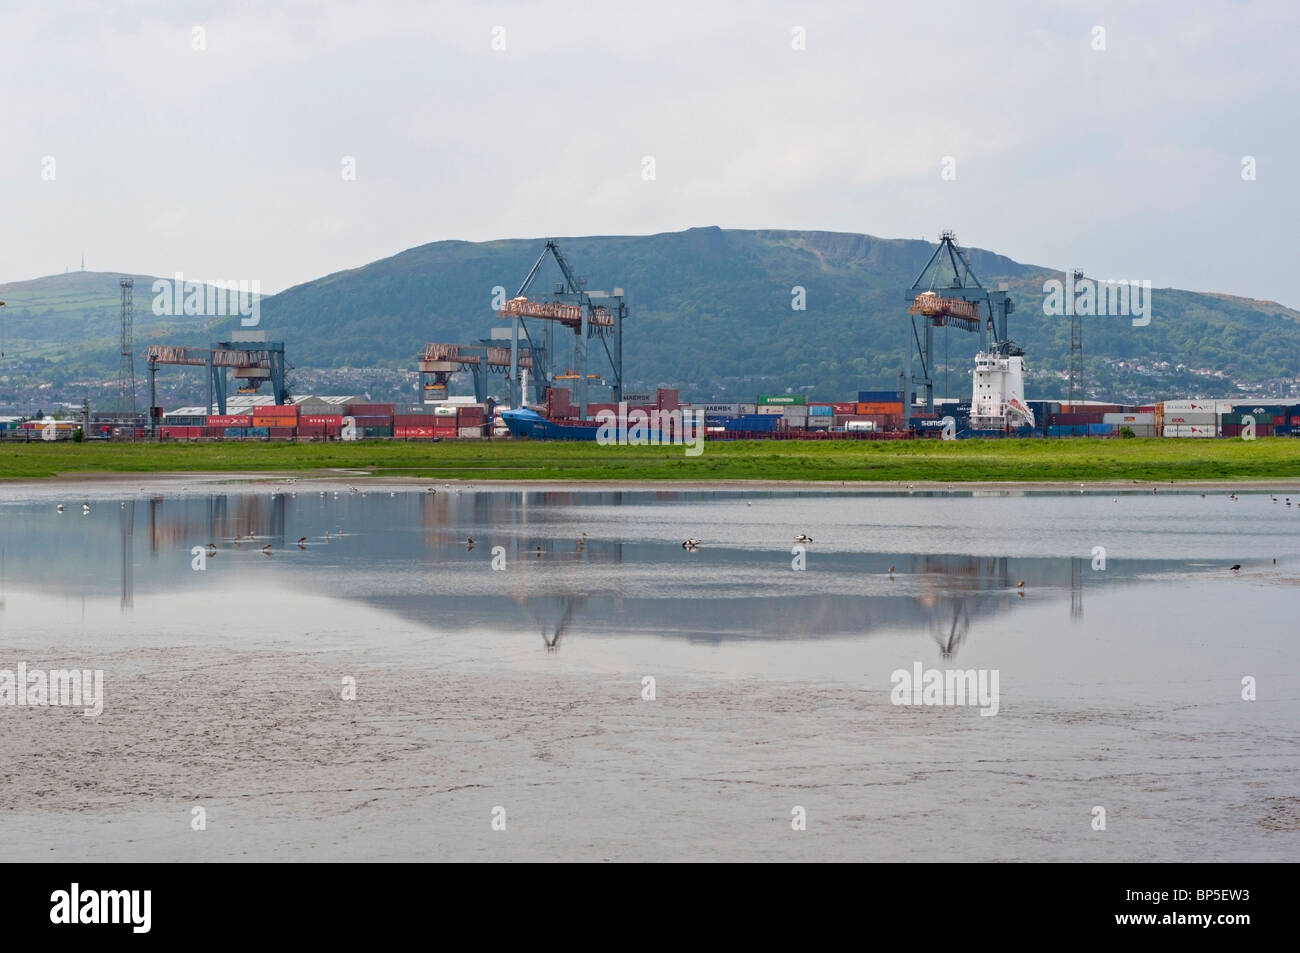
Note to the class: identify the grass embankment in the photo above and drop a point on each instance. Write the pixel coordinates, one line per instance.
(1078, 460)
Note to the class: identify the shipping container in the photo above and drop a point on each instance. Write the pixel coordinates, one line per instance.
(278, 433)
(1190, 431)
(273, 422)
(781, 399)
(373, 421)
(767, 409)
(469, 433)
(1129, 419)
(230, 420)
(413, 431)
(879, 396)
(371, 410)
(1189, 406)
(1237, 430)
(276, 410)
(1075, 419)
(255, 431)
(1190, 419)
(872, 408)
(386, 431)
(716, 410)
(320, 420)
(235, 432)
(753, 422)
(821, 410)
(845, 407)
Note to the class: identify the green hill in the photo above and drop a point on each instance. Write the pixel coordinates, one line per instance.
(710, 313)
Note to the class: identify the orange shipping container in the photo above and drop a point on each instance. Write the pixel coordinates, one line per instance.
(880, 408)
(260, 421)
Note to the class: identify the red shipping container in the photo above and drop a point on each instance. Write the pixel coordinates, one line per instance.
(321, 420)
(1074, 420)
(413, 420)
(276, 410)
(409, 432)
(280, 431)
(230, 420)
(375, 421)
(371, 410)
(471, 413)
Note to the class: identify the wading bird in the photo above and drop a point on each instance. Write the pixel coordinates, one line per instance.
(301, 540)
(803, 538)
(1235, 567)
(691, 544)
(266, 550)
(59, 508)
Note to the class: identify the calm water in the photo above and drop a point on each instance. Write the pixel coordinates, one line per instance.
(1162, 625)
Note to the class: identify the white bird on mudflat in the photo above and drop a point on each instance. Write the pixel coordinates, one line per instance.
(59, 508)
(85, 508)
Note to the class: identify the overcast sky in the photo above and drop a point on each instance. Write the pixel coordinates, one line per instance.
(228, 161)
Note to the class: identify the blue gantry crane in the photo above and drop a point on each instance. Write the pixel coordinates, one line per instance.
(594, 317)
(937, 299)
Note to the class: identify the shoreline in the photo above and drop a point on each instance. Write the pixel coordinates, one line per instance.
(206, 481)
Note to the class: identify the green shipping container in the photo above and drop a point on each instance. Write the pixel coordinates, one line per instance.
(1239, 418)
(782, 399)
(376, 431)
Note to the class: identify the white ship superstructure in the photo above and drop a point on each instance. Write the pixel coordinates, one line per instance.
(998, 394)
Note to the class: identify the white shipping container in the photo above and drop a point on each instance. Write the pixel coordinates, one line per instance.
(1191, 420)
(469, 432)
(742, 409)
(1130, 420)
(1201, 406)
(718, 410)
(1191, 431)
(770, 409)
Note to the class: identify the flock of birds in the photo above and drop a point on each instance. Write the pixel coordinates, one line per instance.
(690, 544)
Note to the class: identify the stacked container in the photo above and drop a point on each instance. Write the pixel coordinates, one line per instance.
(470, 421)
(275, 417)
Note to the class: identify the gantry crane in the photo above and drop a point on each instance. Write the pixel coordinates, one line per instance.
(962, 302)
(589, 315)
(437, 362)
(250, 357)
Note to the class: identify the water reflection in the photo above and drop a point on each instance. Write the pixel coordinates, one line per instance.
(126, 521)
(605, 562)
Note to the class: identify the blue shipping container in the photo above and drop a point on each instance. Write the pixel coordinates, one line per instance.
(821, 410)
(234, 431)
(256, 432)
(754, 422)
(879, 396)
